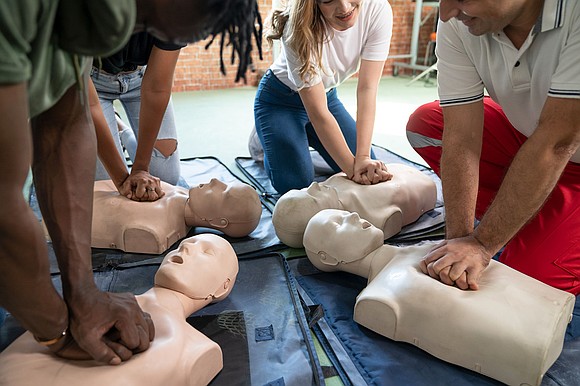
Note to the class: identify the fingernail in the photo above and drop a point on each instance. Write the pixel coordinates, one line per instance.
(115, 361)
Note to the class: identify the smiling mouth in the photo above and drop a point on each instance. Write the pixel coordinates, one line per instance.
(346, 16)
(467, 21)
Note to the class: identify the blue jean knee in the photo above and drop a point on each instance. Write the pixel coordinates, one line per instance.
(286, 133)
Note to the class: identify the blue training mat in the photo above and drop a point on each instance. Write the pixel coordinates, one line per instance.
(193, 172)
(266, 340)
(430, 225)
(363, 357)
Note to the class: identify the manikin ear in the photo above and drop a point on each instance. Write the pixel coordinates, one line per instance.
(219, 222)
(327, 259)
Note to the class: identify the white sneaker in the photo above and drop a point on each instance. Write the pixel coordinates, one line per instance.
(255, 146)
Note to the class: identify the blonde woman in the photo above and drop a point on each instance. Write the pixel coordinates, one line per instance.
(323, 43)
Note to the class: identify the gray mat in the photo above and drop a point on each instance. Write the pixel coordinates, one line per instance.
(262, 316)
(429, 226)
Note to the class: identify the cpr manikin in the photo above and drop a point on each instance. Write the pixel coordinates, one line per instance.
(511, 329)
(388, 205)
(201, 271)
(152, 227)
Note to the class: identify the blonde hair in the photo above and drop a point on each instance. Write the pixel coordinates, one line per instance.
(307, 33)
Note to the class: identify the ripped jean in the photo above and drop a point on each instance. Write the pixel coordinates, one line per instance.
(126, 88)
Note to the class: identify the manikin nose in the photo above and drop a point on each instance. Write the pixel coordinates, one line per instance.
(352, 218)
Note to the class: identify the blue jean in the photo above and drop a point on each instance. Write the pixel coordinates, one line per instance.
(286, 133)
(126, 88)
(573, 330)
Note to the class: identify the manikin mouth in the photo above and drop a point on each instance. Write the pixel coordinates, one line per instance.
(346, 16)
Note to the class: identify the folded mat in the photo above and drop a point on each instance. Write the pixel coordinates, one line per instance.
(260, 326)
(363, 357)
(429, 225)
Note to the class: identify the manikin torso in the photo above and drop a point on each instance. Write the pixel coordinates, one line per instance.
(179, 355)
(388, 205)
(153, 227)
(140, 227)
(511, 329)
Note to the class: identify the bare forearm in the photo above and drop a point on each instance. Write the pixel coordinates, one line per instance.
(26, 290)
(155, 93)
(153, 106)
(106, 147)
(365, 120)
(529, 181)
(368, 83)
(459, 179)
(462, 139)
(333, 141)
(64, 170)
(25, 286)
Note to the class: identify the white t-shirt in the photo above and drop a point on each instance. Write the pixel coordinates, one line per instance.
(548, 64)
(368, 39)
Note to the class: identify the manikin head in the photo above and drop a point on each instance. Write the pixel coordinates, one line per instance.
(295, 208)
(234, 208)
(203, 267)
(334, 238)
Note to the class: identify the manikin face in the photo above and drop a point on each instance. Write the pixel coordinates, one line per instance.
(483, 16)
(295, 208)
(214, 201)
(342, 235)
(340, 14)
(203, 267)
(322, 195)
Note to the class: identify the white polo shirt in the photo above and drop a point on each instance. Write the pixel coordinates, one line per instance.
(369, 38)
(547, 64)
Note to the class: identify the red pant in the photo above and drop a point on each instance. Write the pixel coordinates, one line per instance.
(548, 247)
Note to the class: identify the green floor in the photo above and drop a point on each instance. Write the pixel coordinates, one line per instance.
(218, 123)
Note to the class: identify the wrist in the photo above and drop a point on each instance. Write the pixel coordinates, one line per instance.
(51, 342)
(120, 179)
(484, 243)
(362, 155)
(139, 167)
(49, 337)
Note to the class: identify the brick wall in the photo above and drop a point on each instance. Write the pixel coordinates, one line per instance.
(198, 68)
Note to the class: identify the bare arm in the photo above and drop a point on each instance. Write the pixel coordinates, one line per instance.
(155, 94)
(533, 174)
(366, 170)
(106, 147)
(64, 167)
(462, 139)
(326, 127)
(26, 290)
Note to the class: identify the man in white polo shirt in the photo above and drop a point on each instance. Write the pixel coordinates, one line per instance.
(510, 159)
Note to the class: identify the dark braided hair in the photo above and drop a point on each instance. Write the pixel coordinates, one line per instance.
(236, 20)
